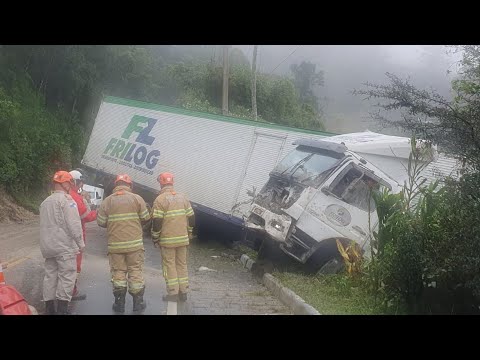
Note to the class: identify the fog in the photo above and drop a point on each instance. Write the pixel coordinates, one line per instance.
(346, 67)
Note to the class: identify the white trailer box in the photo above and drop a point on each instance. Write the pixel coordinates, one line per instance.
(216, 160)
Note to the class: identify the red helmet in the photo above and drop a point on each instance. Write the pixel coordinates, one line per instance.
(62, 177)
(165, 178)
(123, 177)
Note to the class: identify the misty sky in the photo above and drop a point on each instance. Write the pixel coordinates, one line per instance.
(346, 67)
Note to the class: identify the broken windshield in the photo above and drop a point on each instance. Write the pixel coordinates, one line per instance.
(305, 166)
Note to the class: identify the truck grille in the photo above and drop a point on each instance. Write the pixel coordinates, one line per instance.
(299, 245)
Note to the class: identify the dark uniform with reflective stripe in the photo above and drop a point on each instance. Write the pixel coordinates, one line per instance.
(122, 213)
(173, 222)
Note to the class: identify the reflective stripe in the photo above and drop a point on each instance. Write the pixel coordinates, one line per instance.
(183, 280)
(189, 211)
(155, 233)
(114, 216)
(172, 213)
(123, 217)
(171, 282)
(136, 285)
(178, 211)
(145, 215)
(119, 283)
(190, 229)
(174, 240)
(158, 214)
(125, 244)
(101, 219)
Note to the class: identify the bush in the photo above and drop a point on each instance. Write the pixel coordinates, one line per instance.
(34, 142)
(428, 256)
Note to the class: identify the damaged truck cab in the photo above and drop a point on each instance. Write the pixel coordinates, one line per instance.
(318, 193)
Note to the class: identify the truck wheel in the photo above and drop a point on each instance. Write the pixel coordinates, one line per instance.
(333, 266)
(252, 240)
(262, 251)
(325, 253)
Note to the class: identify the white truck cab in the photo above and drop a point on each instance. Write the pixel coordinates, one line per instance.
(318, 193)
(96, 195)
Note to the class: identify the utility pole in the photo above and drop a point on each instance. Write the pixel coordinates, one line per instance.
(225, 80)
(254, 82)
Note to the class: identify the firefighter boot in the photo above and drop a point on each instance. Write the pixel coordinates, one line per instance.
(138, 302)
(182, 297)
(119, 305)
(50, 307)
(62, 307)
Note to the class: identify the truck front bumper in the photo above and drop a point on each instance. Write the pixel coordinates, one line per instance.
(275, 226)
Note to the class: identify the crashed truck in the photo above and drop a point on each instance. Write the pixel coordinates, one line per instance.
(223, 162)
(321, 192)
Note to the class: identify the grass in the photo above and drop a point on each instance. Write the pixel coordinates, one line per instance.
(332, 294)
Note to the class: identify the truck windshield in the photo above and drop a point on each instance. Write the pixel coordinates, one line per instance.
(305, 167)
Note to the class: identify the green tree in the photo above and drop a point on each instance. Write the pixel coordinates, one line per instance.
(454, 124)
(306, 79)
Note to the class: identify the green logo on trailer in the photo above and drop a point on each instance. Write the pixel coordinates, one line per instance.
(136, 151)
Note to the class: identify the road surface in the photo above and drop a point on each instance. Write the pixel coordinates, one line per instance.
(226, 288)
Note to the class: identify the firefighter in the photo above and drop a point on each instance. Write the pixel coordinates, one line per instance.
(173, 223)
(123, 214)
(86, 215)
(61, 240)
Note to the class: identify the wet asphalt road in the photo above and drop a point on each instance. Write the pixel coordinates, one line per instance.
(225, 289)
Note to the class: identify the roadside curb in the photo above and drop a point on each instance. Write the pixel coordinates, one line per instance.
(284, 294)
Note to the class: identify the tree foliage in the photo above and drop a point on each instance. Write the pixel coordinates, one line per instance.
(49, 96)
(453, 124)
(428, 256)
(306, 79)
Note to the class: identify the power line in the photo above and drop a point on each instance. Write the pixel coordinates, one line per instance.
(285, 59)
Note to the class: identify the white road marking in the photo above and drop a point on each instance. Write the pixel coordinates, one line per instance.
(172, 308)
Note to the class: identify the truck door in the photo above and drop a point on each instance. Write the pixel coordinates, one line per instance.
(264, 155)
(345, 204)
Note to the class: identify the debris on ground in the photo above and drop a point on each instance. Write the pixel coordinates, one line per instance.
(204, 268)
(230, 256)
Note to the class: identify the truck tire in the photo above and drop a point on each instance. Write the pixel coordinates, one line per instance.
(325, 253)
(265, 249)
(333, 266)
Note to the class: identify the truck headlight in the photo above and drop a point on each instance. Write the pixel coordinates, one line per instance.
(277, 226)
(258, 211)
